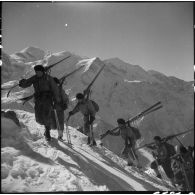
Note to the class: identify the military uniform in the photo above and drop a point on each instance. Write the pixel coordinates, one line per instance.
(46, 91)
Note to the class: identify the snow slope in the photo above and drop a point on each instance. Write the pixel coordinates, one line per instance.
(121, 90)
(30, 164)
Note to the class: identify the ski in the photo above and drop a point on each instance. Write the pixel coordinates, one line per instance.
(152, 108)
(165, 139)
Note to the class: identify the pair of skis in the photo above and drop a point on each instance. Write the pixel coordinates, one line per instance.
(149, 110)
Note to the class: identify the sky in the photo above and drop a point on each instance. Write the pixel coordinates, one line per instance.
(154, 35)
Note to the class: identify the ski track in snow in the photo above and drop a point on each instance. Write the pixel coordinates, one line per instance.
(41, 166)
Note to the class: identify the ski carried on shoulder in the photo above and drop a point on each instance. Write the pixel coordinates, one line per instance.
(149, 110)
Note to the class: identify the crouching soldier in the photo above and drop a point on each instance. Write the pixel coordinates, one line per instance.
(130, 141)
(88, 110)
(162, 157)
(46, 92)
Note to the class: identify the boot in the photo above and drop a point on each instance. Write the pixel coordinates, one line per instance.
(88, 140)
(159, 176)
(47, 134)
(94, 143)
(60, 134)
(129, 164)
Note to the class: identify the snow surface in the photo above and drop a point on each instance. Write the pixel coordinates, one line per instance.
(30, 164)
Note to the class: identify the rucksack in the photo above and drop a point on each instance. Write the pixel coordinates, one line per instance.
(170, 149)
(136, 132)
(96, 106)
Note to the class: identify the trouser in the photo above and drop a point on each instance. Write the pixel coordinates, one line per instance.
(60, 115)
(60, 118)
(166, 164)
(86, 125)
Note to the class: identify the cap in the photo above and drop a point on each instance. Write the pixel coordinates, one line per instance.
(39, 68)
(121, 121)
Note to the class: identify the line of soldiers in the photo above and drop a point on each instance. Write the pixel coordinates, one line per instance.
(48, 96)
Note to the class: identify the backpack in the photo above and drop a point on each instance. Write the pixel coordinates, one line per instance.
(170, 149)
(96, 106)
(136, 132)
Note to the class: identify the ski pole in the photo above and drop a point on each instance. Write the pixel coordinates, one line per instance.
(67, 132)
(56, 118)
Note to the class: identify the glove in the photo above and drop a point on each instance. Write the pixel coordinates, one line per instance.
(21, 82)
(70, 113)
(92, 118)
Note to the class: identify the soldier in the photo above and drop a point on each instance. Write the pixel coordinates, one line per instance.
(46, 92)
(87, 108)
(130, 140)
(60, 108)
(162, 157)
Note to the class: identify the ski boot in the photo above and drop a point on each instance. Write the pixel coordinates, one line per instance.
(60, 138)
(88, 141)
(94, 143)
(159, 176)
(47, 135)
(130, 164)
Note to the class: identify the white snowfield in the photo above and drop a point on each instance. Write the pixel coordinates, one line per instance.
(30, 164)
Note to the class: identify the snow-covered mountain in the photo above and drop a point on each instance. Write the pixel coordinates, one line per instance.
(121, 90)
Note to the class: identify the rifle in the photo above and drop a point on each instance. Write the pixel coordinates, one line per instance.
(25, 99)
(141, 114)
(165, 139)
(47, 68)
(87, 90)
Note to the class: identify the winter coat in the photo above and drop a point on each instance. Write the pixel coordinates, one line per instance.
(127, 134)
(46, 90)
(162, 152)
(44, 84)
(86, 108)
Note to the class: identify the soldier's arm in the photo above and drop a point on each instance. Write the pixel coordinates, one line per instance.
(24, 83)
(115, 133)
(75, 110)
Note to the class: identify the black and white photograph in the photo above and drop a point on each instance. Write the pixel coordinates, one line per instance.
(97, 97)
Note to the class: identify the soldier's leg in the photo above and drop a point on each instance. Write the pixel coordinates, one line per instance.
(154, 166)
(46, 113)
(168, 170)
(135, 156)
(87, 128)
(60, 114)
